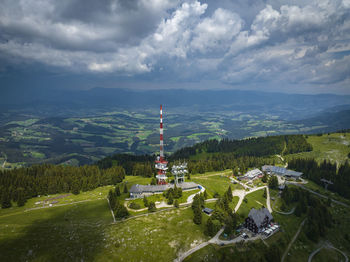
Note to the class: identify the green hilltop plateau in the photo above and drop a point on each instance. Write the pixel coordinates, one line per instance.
(70, 213)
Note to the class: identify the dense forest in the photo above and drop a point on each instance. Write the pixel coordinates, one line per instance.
(340, 177)
(318, 218)
(23, 183)
(260, 146)
(128, 162)
(238, 155)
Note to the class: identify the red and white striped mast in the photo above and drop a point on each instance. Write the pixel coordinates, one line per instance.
(161, 164)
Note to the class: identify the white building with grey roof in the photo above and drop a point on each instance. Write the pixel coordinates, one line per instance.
(137, 191)
(281, 171)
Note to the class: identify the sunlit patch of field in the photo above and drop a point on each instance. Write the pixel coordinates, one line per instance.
(334, 147)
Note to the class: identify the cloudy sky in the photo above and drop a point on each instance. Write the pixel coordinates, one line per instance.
(272, 45)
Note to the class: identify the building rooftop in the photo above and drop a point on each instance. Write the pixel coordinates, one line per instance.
(253, 173)
(281, 171)
(207, 210)
(258, 215)
(139, 189)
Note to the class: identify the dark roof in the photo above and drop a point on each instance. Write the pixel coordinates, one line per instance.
(139, 189)
(281, 171)
(135, 189)
(187, 185)
(293, 173)
(258, 215)
(207, 210)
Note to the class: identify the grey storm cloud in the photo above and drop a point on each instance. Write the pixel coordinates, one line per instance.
(235, 42)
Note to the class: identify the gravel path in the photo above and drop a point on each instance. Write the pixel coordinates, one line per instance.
(318, 194)
(215, 240)
(292, 241)
(111, 210)
(329, 246)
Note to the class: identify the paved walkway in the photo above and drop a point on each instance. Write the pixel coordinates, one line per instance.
(239, 182)
(190, 198)
(216, 174)
(268, 201)
(241, 194)
(163, 204)
(285, 213)
(282, 159)
(215, 240)
(292, 241)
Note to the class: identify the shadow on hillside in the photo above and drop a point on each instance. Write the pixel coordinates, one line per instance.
(66, 236)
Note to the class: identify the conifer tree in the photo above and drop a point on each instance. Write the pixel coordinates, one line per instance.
(170, 199)
(5, 200)
(265, 193)
(229, 194)
(75, 187)
(117, 191)
(197, 219)
(21, 199)
(125, 190)
(205, 194)
(152, 207)
(145, 201)
(153, 181)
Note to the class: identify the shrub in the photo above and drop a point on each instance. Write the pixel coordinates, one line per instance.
(134, 205)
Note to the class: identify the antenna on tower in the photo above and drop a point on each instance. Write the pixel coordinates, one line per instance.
(179, 172)
(161, 164)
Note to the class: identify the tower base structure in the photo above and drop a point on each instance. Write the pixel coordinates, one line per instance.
(161, 166)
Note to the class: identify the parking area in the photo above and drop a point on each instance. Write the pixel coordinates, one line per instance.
(265, 233)
(271, 229)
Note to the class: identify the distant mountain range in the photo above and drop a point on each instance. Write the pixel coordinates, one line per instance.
(78, 127)
(61, 102)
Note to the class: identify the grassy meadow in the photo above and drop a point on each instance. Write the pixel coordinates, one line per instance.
(254, 200)
(334, 147)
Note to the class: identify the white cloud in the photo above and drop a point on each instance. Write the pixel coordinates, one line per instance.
(283, 41)
(216, 31)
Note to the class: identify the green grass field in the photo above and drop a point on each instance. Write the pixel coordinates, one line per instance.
(66, 233)
(156, 237)
(84, 231)
(215, 183)
(255, 200)
(334, 147)
(37, 202)
(80, 227)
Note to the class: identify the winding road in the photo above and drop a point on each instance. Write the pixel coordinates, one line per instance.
(317, 194)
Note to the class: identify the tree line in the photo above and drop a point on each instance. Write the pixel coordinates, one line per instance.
(119, 210)
(257, 146)
(340, 177)
(20, 184)
(127, 161)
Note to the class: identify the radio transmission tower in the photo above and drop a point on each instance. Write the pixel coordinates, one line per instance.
(161, 164)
